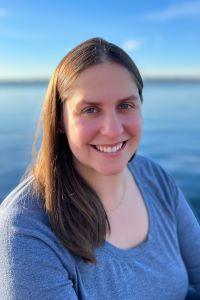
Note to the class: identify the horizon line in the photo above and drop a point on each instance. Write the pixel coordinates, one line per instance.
(153, 78)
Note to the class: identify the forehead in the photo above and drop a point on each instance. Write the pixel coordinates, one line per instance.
(103, 81)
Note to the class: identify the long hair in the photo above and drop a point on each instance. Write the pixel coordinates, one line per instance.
(75, 212)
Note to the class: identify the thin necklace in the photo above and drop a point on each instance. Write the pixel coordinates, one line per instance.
(121, 200)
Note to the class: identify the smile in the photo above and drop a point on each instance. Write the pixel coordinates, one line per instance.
(109, 149)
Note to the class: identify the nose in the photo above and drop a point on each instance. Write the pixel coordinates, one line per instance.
(112, 126)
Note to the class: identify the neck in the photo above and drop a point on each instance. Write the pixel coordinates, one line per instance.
(110, 189)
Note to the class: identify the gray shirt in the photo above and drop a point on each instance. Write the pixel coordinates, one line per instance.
(35, 265)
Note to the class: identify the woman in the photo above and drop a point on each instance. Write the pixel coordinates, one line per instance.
(95, 220)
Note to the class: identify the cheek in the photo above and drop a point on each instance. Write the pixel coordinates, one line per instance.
(82, 132)
(134, 124)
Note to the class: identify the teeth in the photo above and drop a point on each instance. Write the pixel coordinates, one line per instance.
(109, 149)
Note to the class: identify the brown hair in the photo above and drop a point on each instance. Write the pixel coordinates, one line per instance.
(75, 212)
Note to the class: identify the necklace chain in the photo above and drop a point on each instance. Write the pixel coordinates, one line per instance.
(122, 198)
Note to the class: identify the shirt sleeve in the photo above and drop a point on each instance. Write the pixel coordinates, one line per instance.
(30, 262)
(188, 230)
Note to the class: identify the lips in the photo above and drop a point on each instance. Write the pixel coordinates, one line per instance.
(110, 148)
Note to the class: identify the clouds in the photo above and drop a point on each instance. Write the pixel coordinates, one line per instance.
(183, 10)
(131, 45)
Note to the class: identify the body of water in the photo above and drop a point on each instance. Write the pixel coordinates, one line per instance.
(171, 132)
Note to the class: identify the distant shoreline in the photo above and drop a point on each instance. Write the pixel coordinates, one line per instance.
(157, 80)
(23, 82)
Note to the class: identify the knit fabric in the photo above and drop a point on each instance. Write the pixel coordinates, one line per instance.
(35, 265)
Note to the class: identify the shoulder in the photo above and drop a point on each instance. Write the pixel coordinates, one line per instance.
(148, 167)
(24, 220)
(28, 243)
(150, 170)
(143, 162)
(23, 202)
(155, 180)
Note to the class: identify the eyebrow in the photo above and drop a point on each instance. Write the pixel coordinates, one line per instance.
(84, 101)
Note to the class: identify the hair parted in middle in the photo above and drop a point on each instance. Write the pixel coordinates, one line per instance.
(75, 212)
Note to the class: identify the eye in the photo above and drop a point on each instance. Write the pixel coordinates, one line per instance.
(89, 110)
(125, 106)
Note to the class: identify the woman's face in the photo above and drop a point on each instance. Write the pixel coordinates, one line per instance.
(102, 119)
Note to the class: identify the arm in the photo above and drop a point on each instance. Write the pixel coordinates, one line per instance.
(30, 262)
(188, 230)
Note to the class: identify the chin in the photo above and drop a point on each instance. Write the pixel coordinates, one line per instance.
(111, 171)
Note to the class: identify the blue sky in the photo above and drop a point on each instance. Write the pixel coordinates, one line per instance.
(163, 37)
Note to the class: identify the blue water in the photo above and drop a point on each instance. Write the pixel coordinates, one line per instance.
(171, 132)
